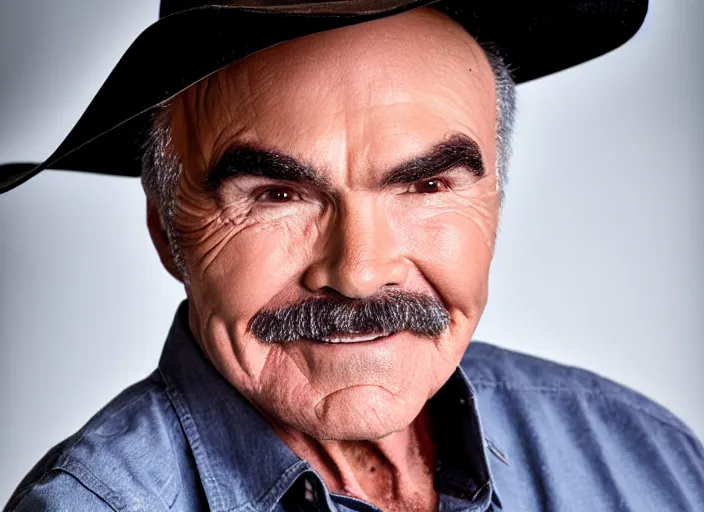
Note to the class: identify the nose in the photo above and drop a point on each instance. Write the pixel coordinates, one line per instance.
(361, 255)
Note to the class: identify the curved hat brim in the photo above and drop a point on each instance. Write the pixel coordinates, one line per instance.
(536, 38)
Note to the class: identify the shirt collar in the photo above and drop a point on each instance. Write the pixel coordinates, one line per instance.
(243, 463)
(462, 468)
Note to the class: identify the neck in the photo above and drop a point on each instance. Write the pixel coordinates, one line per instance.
(393, 473)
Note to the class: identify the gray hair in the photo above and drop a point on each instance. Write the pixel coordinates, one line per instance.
(505, 115)
(162, 166)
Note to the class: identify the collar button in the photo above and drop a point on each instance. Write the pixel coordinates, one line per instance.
(310, 494)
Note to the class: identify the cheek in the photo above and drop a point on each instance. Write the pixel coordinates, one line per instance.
(240, 261)
(241, 256)
(452, 243)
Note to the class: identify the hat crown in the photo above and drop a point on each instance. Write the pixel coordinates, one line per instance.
(168, 7)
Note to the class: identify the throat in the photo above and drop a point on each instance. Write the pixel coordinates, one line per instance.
(394, 473)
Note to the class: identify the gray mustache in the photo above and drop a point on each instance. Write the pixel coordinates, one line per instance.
(322, 317)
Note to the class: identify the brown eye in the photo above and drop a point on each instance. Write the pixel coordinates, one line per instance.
(430, 186)
(277, 195)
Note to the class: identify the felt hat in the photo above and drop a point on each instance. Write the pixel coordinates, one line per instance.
(195, 38)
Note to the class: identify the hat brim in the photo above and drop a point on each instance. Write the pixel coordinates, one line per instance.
(536, 38)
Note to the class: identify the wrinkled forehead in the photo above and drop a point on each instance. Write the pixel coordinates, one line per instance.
(418, 73)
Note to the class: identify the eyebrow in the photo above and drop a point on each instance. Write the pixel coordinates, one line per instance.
(246, 159)
(458, 151)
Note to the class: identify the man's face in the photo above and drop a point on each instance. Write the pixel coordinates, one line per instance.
(351, 106)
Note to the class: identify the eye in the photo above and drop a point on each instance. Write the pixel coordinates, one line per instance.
(277, 195)
(429, 186)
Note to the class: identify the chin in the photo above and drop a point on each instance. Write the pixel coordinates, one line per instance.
(359, 413)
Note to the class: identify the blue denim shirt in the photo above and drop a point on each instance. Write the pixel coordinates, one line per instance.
(550, 437)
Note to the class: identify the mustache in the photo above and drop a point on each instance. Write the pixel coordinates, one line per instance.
(322, 317)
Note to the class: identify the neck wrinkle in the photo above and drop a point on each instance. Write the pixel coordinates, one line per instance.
(398, 467)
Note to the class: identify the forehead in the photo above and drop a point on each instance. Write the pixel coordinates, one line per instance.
(402, 82)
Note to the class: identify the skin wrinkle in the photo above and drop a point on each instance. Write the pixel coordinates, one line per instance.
(211, 255)
(352, 108)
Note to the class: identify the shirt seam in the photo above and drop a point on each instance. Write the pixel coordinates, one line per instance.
(270, 497)
(43, 479)
(193, 438)
(512, 386)
(64, 461)
(93, 427)
(63, 458)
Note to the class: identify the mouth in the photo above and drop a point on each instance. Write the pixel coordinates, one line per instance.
(354, 338)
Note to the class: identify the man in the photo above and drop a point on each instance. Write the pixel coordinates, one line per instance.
(329, 196)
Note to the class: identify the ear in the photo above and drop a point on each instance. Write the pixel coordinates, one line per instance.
(161, 240)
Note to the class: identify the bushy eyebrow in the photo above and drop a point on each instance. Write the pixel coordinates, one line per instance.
(458, 151)
(246, 159)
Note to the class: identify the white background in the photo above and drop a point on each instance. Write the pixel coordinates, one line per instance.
(599, 262)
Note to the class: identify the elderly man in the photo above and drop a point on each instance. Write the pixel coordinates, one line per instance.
(331, 203)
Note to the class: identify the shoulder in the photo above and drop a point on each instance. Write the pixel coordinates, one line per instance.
(58, 491)
(490, 366)
(126, 455)
(608, 443)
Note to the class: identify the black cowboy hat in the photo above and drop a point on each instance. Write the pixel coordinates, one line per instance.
(195, 38)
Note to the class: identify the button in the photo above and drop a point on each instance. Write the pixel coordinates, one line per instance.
(310, 493)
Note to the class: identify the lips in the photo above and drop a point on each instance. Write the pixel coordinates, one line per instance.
(353, 338)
